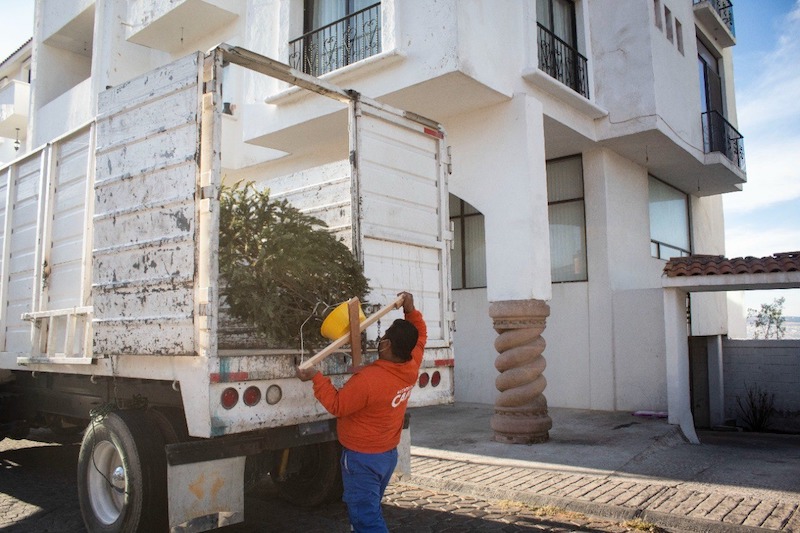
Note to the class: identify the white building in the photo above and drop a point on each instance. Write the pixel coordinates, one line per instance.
(15, 71)
(591, 140)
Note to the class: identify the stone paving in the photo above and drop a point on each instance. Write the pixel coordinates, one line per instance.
(661, 502)
(411, 509)
(38, 494)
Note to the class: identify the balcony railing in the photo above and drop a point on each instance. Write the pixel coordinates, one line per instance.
(345, 41)
(720, 136)
(563, 62)
(724, 9)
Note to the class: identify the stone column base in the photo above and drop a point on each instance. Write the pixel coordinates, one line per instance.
(520, 415)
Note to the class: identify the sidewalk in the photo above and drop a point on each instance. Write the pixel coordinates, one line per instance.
(615, 465)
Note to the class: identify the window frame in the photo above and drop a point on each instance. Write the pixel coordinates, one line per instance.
(462, 249)
(660, 244)
(550, 26)
(582, 200)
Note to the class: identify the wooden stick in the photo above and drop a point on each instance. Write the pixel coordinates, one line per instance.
(353, 308)
(341, 341)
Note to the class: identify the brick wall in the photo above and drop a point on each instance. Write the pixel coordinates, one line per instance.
(772, 365)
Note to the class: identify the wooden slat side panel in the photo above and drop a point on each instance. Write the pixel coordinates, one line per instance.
(322, 192)
(402, 215)
(67, 235)
(145, 224)
(22, 253)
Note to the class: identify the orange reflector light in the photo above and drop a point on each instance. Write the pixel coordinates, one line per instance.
(229, 397)
(251, 396)
(423, 380)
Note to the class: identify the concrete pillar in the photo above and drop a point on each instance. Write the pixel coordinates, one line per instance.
(677, 347)
(520, 415)
(508, 184)
(716, 388)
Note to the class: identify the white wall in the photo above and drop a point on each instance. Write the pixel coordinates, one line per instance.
(709, 310)
(622, 61)
(677, 87)
(737, 315)
(639, 350)
(473, 348)
(569, 371)
(499, 168)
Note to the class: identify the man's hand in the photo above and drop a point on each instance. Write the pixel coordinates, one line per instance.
(408, 301)
(305, 374)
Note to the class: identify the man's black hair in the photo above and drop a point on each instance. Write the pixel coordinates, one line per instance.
(404, 337)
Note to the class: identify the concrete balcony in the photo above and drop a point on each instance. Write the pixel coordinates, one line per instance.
(716, 16)
(694, 169)
(14, 100)
(168, 24)
(64, 113)
(70, 26)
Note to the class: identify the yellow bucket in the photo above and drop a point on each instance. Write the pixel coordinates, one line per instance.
(337, 323)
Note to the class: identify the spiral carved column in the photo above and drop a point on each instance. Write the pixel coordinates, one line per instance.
(520, 411)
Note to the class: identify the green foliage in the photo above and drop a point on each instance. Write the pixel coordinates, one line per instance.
(769, 321)
(278, 263)
(757, 409)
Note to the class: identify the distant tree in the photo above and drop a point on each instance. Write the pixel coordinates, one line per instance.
(769, 321)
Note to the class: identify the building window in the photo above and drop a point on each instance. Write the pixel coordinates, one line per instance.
(336, 33)
(719, 135)
(558, 45)
(679, 36)
(657, 7)
(710, 80)
(469, 245)
(668, 22)
(567, 217)
(669, 221)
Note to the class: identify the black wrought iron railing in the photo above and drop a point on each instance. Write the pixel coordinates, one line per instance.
(344, 41)
(720, 136)
(724, 9)
(563, 62)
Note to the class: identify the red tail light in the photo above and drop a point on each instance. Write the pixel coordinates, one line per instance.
(436, 378)
(251, 396)
(423, 380)
(229, 397)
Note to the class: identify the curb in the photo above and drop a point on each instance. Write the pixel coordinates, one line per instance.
(602, 510)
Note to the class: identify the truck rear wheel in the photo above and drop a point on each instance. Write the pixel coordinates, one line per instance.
(122, 474)
(313, 474)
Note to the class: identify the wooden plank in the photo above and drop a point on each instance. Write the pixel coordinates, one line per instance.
(353, 308)
(167, 79)
(344, 339)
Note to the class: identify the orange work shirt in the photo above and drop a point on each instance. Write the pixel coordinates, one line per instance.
(370, 407)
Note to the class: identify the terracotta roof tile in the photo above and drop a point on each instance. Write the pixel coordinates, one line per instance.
(717, 265)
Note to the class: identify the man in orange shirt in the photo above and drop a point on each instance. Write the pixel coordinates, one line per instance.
(370, 409)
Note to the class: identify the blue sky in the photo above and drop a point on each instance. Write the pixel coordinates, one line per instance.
(765, 217)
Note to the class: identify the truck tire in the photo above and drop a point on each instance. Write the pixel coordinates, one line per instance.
(313, 474)
(122, 473)
(171, 422)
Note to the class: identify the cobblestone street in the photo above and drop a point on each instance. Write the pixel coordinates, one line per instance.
(38, 494)
(410, 509)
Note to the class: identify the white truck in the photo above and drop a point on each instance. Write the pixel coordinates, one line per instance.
(111, 321)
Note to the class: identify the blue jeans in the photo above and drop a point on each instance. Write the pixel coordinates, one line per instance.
(364, 477)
